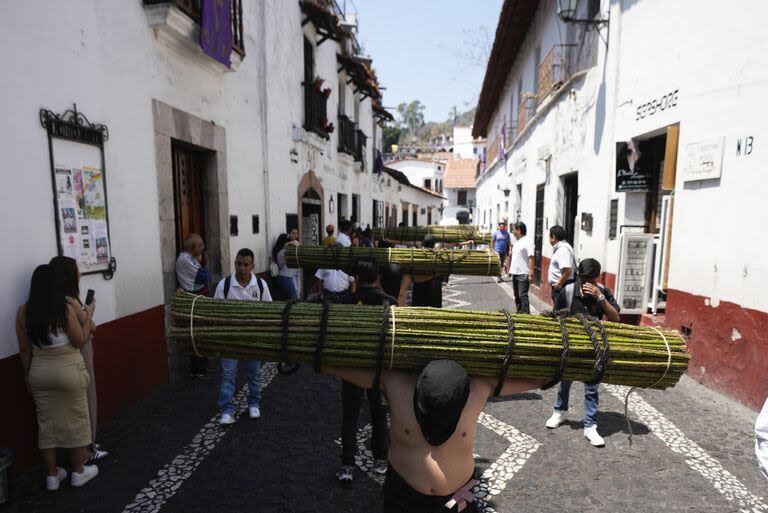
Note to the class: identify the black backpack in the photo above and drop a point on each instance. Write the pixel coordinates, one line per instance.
(228, 284)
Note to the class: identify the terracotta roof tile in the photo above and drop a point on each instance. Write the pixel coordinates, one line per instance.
(460, 173)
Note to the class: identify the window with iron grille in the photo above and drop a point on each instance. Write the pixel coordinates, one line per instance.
(614, 219)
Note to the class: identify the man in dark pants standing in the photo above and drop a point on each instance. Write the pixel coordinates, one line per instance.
(563, 263)
(368, 292)
(521, 267)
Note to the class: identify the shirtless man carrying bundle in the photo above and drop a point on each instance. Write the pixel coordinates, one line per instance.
(433, 418)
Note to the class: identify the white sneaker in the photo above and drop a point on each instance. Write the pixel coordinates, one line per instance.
(226, 419)
(89, 472)
(593, 436)
(254, 412)
(557, 418)
(53, 482)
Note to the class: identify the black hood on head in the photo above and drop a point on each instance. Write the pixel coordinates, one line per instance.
(441, 393)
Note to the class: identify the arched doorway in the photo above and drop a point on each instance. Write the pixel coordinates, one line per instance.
(311, 217)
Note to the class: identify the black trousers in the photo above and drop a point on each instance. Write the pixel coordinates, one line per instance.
(399, 497)
(520, 287)
(197, 365)
(351, 401)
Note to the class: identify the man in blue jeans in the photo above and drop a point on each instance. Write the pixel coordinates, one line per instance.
(245, 286)
(501, 242)
(584, 296)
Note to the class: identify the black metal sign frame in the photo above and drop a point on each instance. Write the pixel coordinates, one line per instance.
(72, 125)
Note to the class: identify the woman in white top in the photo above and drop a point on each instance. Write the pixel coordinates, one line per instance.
(287, 278)
(50, 336)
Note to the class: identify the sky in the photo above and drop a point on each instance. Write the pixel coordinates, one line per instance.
(427, 50)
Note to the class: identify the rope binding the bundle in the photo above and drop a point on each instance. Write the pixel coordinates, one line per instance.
(508, 356)
(382, 342)
(285, 366)
(321, 336)
(560, 316)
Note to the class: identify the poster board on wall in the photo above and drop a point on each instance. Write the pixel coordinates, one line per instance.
(79, 190)
(632, 173)
(634, 280)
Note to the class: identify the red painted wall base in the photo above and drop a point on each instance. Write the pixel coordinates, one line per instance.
(130, 360)
(728, 345)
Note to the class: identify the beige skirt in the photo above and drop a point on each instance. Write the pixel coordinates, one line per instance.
(59, 383)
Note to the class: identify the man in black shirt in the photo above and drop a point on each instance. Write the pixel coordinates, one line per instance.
(368, 292)
(584, 296)
(428, 292)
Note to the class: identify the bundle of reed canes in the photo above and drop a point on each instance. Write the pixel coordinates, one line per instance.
(456, 233)
(484, 343)
(419, 261)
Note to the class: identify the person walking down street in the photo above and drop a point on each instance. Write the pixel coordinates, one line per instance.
(69, 273)
(245, 286)
(287, 278)
(368, 292)
(761, 440)
(433, 421)
(329, 239)
(521, 267)
(563, 263)
(193, 276)
(587, 297)
(501, 242)
(50, 336)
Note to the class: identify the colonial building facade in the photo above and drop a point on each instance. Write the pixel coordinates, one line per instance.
(281, 128)
(645, 146)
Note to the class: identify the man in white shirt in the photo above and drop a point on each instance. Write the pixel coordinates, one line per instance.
(521, 267)
(761, 442)
(345, 230)
(336, 284)
(563, 261)
(245, 286)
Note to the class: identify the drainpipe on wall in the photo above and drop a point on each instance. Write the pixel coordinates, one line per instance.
(263, 97)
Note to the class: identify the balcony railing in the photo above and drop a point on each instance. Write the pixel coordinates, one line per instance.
(555, 69)
(346, 135)
(525, 111)
(192, 9)
(360, 142)
(316, 111)
(493, 153)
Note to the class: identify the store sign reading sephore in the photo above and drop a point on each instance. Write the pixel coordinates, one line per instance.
(656, 105)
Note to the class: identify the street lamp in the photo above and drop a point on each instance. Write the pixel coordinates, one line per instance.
(567, 9)
(330, 205)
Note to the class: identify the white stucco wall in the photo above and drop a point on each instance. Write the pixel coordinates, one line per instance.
(105, 57)
(715, 251)
(417, 171)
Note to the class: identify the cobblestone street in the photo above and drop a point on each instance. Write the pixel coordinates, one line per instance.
(693, 451)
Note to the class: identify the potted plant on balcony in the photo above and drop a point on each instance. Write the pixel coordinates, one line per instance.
(327, 127)
(317, 83)
(327, 92)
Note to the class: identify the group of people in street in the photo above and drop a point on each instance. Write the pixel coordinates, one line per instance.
(55, 332)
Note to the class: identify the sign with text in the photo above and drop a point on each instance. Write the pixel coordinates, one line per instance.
(633, 288)
(704, 159)
(631, 173)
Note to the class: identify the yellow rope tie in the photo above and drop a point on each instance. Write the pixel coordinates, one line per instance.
(192, 324)
(392, 350)
(626, 399)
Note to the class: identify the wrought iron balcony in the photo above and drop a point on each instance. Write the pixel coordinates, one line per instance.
(525, 111)
(360, 142)
(316, 111)
(555, 69)
(346, 135)
(192, 9)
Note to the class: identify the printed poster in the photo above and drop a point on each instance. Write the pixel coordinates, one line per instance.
(82, 214)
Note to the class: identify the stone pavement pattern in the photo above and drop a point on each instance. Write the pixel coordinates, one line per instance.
(692, 451)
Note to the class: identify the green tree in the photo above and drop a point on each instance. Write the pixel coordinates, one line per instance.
(411, 116)
(390, 135)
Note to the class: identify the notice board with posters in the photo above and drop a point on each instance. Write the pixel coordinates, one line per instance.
(633, 286)
(632, 173)
(79, 190)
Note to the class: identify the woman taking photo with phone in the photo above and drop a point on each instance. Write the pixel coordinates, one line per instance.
(69, 273)
(50, 336)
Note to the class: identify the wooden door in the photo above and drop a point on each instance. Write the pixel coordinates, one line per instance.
(571, 194)
(188, 186)
(538, 236)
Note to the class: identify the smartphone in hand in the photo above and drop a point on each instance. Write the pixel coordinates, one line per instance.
(89, 296)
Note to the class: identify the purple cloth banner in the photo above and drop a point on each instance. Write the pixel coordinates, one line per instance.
(216, 29)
